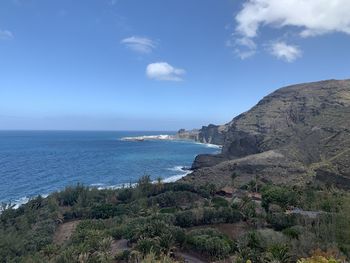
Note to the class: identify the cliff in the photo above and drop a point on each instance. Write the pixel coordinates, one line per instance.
(295, 135)
(213, 134)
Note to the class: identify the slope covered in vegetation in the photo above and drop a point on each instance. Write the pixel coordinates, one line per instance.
(177, 221)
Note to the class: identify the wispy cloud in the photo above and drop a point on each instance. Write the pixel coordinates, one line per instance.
(243, 47)
(6, 35)
(164, 71)
(142, 45)
(309, 18)
(283, 51)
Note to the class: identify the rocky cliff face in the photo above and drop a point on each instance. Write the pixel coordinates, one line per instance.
(213, 134)
(294, 135)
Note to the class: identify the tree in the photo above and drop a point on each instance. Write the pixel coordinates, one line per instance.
(278, 253)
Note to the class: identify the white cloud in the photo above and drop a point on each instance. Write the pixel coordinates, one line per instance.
(139, 44)
(309, 17)
(164, 71)
(286, 52)
(313, 17)
(6, 35)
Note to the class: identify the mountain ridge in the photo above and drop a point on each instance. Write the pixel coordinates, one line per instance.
(296, 134)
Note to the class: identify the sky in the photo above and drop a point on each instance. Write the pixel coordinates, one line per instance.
(160, 64)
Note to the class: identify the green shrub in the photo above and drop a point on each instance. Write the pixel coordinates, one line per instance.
(125, 194)
(283, 196)
(104, 211)
(170, 199)
(210, 242)
(280, 221)
(117, 232)
(220, 202)
(185, 219)
(168, 210)
(147, 245)
(291, 232)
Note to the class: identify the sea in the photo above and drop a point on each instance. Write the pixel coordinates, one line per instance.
(36, 163)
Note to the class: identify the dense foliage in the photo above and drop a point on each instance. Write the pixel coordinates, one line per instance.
(159, 222)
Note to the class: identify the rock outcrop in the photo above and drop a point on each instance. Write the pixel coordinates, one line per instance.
(213, 134)
(294, 135)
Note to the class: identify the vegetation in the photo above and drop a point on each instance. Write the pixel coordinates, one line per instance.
(162, 222)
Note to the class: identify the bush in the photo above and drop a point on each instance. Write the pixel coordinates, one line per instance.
(168, 210)
(220, 202)
(185, 219)
(117, 232)
(171, 199)
(210, 242)
(147, 245)
(123, 256)
(125, 194)
(104, 211)
(283, 196)
(251, 247)
(280, 221)
(292, 232)
(70, 195)
(279, 253)
(318, 259)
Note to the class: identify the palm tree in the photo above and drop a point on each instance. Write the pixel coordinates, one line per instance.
(278, 253)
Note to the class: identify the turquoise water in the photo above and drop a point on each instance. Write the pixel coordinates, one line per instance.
(40, 162)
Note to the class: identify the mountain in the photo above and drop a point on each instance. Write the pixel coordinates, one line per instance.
(295, 135)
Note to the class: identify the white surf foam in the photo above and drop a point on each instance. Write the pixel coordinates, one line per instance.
(210, 145)
(100, 186)
(161, 137)
(21, 201)
(179, 169)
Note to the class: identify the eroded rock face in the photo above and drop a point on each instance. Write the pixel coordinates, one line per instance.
(307, 124)
(213, 134)
(208, 160)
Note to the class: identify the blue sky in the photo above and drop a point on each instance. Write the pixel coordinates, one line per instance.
(160, 64)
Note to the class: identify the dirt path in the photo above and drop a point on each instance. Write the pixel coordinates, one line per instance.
(189, 258)
(64, 232)
(119, 246)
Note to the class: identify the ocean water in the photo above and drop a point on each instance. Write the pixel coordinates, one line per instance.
(40, 162)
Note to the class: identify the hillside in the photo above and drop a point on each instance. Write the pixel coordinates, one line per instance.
(294, 135)
(273, 207)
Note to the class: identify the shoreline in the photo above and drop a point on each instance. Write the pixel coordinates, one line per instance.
(100, 186)
(166, 137)
(182, 171)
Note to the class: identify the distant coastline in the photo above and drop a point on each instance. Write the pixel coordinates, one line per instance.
(166, 137)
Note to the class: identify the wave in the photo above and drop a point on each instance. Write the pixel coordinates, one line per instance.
(116, 186)
(165, 137)
(209, 145)
(181, 170)
(18, 202)
(97, 184)
(162, 137)
(15, 204)
(178, 168)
